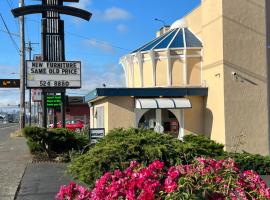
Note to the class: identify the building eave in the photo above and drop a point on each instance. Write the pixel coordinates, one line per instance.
(146, 92)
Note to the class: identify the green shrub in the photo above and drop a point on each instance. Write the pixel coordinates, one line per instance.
(119, 147)
(247, 161)
(201, 145)
(53, 140)
(33, 146)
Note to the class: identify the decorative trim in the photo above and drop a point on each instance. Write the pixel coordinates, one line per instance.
(123, 62)
(153, 61)
(131, 67)
(169, 68)
(185, 60)
(139, 58)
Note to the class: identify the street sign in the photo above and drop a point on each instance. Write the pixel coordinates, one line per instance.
(36, 95)
(53, 101)
(42, 74)
(95, 134)
(10, 83)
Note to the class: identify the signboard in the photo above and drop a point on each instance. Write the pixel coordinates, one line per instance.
(95, 134)
(36, 95)
(10, 83)
(53, 101)
(41, 74)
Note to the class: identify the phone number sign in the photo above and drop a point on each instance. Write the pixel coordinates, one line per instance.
(42, 74)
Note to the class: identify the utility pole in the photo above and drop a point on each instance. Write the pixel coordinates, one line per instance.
(29, 49)
(22, 70)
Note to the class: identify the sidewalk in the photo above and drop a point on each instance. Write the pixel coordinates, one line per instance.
(41, 181)
(14, 156)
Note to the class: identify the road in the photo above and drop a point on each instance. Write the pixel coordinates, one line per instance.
(14, 156)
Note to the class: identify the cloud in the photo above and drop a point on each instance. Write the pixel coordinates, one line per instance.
(10, 97)
(103, 46)
(110, 74)
(83, 4)
(112, 14)
(9, 70)
(122, 28)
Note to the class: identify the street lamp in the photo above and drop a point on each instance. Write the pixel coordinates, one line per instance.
(160, 20)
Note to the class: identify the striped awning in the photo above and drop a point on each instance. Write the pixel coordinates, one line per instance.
(159, 103)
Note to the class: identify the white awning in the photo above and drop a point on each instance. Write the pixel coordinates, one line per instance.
(159, 103)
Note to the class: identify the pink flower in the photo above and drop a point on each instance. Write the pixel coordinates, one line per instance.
(173, 172)
(169, 185)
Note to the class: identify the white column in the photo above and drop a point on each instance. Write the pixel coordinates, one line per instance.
(123, 62)
(181, 125)
(153, 61)
(185, 67)
(130, 64)
(169, 68)
(201, 67)
(140, 63)
(185, 59)
(159, 128)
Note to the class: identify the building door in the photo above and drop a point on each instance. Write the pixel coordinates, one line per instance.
(100, 117)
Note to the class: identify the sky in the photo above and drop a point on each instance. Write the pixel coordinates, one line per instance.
(116, 28)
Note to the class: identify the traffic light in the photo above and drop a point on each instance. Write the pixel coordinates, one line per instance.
(9, 83)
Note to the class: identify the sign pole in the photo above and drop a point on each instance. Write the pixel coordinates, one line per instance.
(63, 108)
(54, 115)
(44, 122)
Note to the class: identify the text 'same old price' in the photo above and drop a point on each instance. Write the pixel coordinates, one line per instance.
(54, 74)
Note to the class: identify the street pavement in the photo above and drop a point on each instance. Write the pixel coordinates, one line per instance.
(14, 156)
(42, 181)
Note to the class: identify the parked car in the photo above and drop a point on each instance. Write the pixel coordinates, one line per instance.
(74, 125)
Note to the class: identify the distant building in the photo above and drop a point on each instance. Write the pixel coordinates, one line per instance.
(76, 109)
(206, 74)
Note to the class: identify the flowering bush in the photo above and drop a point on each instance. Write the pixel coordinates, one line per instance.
(72, 192)
(203, 179)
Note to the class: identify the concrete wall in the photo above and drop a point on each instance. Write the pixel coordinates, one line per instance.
(161, 73)
(147, 74)
(177, 72)
(213, 73)
(121, 112)
(194, 71)
(137, 78)
(234, 39)
(245, 53)
(193, 117)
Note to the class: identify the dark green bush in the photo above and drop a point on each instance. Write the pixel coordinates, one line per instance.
(33, 146)
(247, 161)
(199, 145)
(53, 140)
(120, 147)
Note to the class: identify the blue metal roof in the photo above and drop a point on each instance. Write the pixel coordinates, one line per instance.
(146, 92)
(175, 38)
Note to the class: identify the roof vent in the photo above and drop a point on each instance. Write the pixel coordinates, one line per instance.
(181, 23)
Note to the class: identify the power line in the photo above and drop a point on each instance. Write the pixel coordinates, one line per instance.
(12, 39)
(87, 38)
(10, 4)
(14, 34)
(98, 41)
